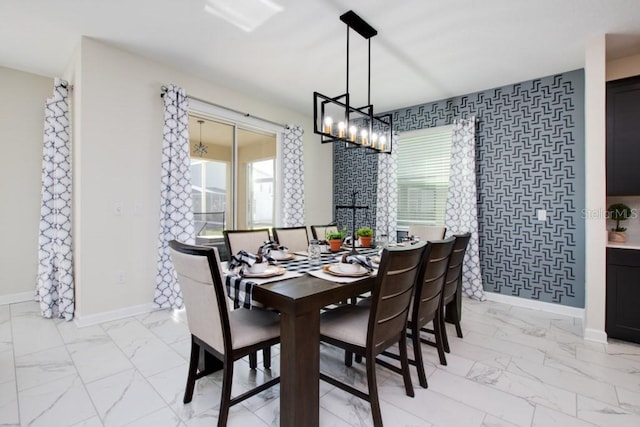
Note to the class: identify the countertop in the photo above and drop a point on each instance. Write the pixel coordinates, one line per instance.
(626, 245)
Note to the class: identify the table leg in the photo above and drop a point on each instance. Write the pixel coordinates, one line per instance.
(300, 369)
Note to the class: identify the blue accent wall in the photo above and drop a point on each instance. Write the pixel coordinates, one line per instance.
(530, 156)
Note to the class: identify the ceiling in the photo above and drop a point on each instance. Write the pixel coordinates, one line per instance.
(425, 49)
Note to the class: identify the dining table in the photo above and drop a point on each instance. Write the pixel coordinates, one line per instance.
(300, 300)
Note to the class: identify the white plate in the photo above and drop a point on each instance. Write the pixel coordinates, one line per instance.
(335, 270)
(284, 258)
(269, 272)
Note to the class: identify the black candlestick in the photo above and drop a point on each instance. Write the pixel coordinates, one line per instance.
(353, 208)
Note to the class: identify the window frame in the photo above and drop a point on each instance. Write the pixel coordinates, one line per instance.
(214, 112)
(425, 132)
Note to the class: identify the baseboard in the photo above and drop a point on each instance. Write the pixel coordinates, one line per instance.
(595, 335)
(536, 305)
(107, 316)
(19, 297)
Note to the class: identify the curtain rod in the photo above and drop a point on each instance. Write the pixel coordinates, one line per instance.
(164, 89)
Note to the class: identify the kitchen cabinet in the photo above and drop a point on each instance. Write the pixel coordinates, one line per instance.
(623, 294)
(623, 137)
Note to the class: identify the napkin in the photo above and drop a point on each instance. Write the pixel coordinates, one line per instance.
(269, 246)
(363, 260)
(246, 258)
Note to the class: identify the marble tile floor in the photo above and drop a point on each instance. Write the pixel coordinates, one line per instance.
(514, 367)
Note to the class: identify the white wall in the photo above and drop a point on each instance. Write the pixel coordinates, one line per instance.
(595, 185)
(21, 136)
(117, 160)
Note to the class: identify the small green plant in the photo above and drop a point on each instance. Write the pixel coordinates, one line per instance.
(336, 235)
(619, 212)
(364, 232)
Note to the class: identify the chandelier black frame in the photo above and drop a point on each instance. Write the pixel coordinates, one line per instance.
(359, 127)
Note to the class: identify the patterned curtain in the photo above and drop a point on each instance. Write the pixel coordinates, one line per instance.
(176, 214)
(54, 288)
(387, 200)
(462, 210)
(292, 178)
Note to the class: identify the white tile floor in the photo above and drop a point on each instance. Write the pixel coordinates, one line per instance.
(514, 367)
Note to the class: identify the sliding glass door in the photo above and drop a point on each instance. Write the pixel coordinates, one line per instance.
(233, 176)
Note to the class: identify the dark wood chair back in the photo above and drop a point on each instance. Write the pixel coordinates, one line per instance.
(391, 297)
(430, 282)
(454, 273)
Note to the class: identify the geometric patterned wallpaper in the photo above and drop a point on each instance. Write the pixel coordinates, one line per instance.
(530, 156)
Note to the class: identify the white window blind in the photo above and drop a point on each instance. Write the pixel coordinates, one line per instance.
(424, 157)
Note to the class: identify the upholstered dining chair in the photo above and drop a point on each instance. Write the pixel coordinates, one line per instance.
(369, 330)
(294, 238)
(427, 232)
(250, 241)
(227, 335)
(452, 292)
(245, 240)
(320, 231)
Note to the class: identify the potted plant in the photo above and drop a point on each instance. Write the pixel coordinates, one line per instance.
(365, 234)
(335, 239)
(618, 212)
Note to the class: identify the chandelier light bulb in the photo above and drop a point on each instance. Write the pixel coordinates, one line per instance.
(363, 137)
(353, 131)
(341, 128)
(328, 124)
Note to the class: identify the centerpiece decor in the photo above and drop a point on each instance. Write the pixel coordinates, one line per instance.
(365, 234)
(335, 239)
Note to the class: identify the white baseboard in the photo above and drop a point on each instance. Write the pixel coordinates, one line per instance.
(536, 305)
(595, 335)
(19, 297)
(107, 316)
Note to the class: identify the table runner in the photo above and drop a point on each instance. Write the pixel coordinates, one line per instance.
(239, 289)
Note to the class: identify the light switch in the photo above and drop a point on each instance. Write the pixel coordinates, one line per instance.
(117, 208)
(542, 214)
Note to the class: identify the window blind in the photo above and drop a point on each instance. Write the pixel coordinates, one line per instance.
(423, 175)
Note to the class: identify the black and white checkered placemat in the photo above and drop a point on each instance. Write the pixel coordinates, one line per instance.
(239, 289)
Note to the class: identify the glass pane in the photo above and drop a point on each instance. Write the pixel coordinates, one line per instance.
(256, 179)
(261, 193)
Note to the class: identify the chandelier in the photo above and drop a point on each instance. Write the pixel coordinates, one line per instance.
(200, 149)
(336, 120)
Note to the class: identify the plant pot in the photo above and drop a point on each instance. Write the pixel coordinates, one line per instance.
(335, 245)
(617, 236)
(365, 241)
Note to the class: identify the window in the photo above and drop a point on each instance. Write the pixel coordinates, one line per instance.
(423, 176)
(233, 177)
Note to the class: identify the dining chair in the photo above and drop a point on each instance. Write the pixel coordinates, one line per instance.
(427, 303)
(369, 330)
(427, 232)
(452, 292)
(320, 231)
(245, 240)
(250, 241)
(225, 334)
(294, 238)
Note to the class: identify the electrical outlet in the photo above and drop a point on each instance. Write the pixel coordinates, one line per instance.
(118, 208)
(120, 276)
(542, 214)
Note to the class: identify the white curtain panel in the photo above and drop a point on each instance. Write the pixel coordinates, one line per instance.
(54, 288)
(462, 208)
(292, 177)
(176, 214)
(387, 200)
